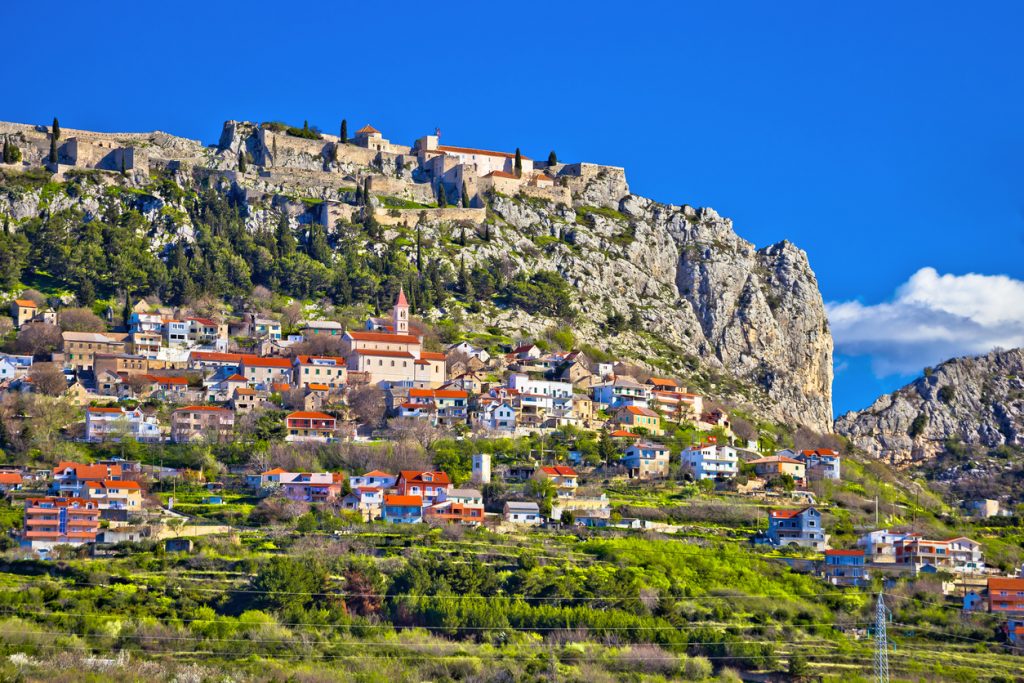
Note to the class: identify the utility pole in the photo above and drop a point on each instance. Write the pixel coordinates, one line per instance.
(881, 642)
(876, 511)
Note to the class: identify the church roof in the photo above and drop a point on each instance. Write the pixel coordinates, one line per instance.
(401, 298)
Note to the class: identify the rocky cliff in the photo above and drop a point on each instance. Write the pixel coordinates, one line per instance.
(978, 401)
(736, 322)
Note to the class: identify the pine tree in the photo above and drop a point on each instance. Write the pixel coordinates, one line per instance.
(241, 162)
(465, 196)
(127, 312)
(359, 195)
(86, 293)
(487, 232)
(462, 236)
(366, 191)
(442, 198)
(53, 150)
(343, 137)
(56, 129)
(305, 126)
(518, 163)
(552, 158)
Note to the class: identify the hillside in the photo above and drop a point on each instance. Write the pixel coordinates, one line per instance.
(671, 287)
(964, 418)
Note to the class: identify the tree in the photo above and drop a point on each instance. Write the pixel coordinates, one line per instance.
(53, 150)
(465, 196)
(56, 129)
(285, 582)
(367, 404)
(442, 198)
(12, 154)
(552, 159)
(38, 339)
(80, 320)
(568, 518)
(798, 667)
(48, 379)
(518, 164)
(241, 161)
(343, 135)
(285, 238)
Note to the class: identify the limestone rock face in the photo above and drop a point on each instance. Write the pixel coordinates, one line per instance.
(978, 400)
(755, 314)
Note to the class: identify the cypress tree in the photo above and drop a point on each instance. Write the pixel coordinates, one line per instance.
(124, 167)
(366, 191)
(552, 158)
(465, 196)
(442, 198)
(56, 128)
(53, 150)
(305, 126)
(285, 238)
(419, 249)
(359, 195)
(86, 293)
(241, 161)
(344, 132)
(127, 312)
(462, 237)
(519, 163)
(487, 232)
(273, 146)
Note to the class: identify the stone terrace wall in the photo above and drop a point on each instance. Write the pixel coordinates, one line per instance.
(412, 216)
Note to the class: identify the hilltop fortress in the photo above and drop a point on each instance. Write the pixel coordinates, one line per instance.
(405, 181)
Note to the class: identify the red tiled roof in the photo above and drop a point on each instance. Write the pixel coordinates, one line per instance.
(265, 362)
(383, 337)
(315, 386)
(216, 356)
(26, 303)
(1008, 584)
(384, 354)
(368, 129)
(417, 476)
(432, 355)
(401, 298)
(844, 553)
(637, 410)
(622, 433)
(661, 381)
(501, 174)
(211, 409)
(785, 514)
(276, 470)
(307, 359)
(235, 378)
(308, 415)
(409, 501)
(205, 321)
(775, 458)
(101, 409)
(377, 473)
(560, 470)
(10, 478)
(170, 380)
(281, 386)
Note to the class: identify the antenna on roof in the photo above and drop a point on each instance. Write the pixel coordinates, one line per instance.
(437, 132)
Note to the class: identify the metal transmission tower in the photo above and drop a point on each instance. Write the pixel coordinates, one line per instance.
(881, 642)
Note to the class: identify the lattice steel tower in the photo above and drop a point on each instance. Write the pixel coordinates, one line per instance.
(881, 642)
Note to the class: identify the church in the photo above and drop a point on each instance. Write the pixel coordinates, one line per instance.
(391, 355)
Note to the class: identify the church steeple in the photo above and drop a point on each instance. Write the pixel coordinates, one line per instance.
(400, 313)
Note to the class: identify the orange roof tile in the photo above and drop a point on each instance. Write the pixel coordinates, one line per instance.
(560, 470)
(367, 129)
(26, 303)
(384, 354)
(408, 501)
(485, 152)
(308, 415)
(383, 337)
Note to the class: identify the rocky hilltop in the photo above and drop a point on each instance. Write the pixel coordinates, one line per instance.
(978, 401)
(745, 324)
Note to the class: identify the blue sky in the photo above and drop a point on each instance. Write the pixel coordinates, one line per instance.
(883, 138)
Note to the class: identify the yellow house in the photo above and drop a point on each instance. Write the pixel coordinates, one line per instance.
(777, 465)
(638, 417)
(23, 310)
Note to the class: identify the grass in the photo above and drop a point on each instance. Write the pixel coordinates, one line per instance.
(391, 202)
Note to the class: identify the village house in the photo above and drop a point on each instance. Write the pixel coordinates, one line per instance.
(202, 331)
(646, 460)
(621, 391)
(202, 360)
(366, 500)
(270, 478)
(264, 372)
(176, 333)
(310, 426)
(80, 348)
(845, 568)
(566, 479)
(430, 486)
(52, 521)
(522, 512)
(10, 481)
(498, 416)
(821, 463)
(265, 328)
(800, 527)
(1006, 598)
(373, 478)
(311, 487)
(454, 512)
(711, 460)
(112, 494)
(114, 424)
(470, 351)
(321, 328)
(444, 407)
(22, 311)
(639, 420)
(208, 423)
(71, 478)
(402, 509)
(775, 466)
(327, 370)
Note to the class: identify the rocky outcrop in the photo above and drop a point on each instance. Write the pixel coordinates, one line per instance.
(976, 400)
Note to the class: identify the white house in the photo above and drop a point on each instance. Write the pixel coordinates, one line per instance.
(710, 460)
(621, 391)
(499, 417)
(646, 460)
(373, 479)
(521, 512)
(113, 424)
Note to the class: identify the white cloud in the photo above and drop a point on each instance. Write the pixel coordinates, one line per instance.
(931, 318)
